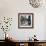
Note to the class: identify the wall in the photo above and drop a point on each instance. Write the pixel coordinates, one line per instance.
(11, 8)
(45, 28)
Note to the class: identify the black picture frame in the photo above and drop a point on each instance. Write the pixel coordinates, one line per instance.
(26, 20)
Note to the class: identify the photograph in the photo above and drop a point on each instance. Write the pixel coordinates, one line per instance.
(25, 20)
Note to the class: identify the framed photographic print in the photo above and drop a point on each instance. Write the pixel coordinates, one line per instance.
(25, 20)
